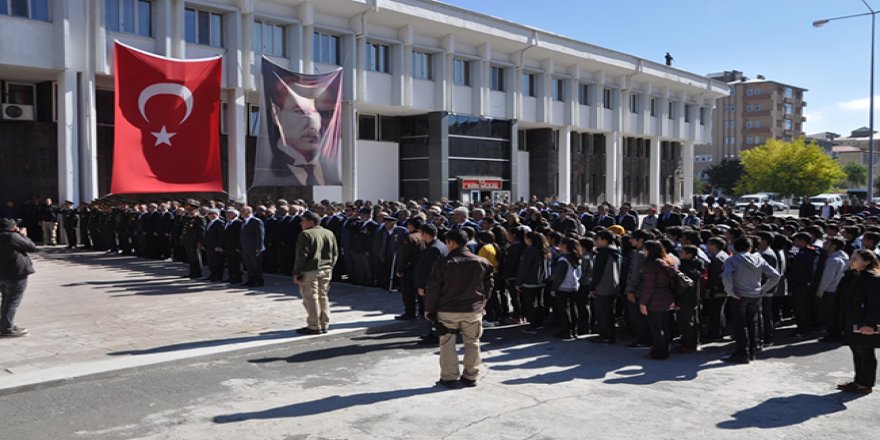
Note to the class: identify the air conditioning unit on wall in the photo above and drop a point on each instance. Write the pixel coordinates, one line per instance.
(17, 112)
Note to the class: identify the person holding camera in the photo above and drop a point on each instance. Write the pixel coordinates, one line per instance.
(15, 267)
(456, 295)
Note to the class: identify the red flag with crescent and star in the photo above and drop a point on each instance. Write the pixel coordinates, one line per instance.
(167, 127)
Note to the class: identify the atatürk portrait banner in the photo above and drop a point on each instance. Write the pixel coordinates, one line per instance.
(298, 141)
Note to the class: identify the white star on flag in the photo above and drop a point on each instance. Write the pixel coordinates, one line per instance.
(163, 137)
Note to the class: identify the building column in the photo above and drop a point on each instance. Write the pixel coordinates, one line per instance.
(164, 24)
(654, 172)
(564, 176)
(236, 143)
(68, 158)
(613, 145)
(348, 152)
(514, 161)
(88, 138)
(687, 173)
(178, 44)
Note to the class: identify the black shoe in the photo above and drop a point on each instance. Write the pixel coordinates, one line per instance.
(405, 317)
(450, 384)
(737, 359)
(324, 331)
(467, 383)
(308, 331)
(15, 332)
(638, 345)
(429, 340)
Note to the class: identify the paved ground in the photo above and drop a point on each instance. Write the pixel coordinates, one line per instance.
(88, 312)
(376, 383)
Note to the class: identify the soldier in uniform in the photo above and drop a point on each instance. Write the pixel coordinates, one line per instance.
(193, 238)
(71, 223)
(121, 227)
(85, 215)
(95, 219)
(163, 232)
(107, 232)
(177, 225)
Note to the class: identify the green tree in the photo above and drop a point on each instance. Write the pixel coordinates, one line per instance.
(856, 174)
(699, 185)
(789, 168)
(725, 175)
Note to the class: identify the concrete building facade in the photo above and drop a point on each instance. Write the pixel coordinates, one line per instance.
(438, 101)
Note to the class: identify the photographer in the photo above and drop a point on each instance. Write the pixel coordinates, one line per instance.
(15, 266)
(456, 294)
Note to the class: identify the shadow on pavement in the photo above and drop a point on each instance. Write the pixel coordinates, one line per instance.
(353, 349)
(779, 412)
(325, 405)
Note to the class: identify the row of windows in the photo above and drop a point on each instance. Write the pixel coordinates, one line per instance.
(753, 124)
(753, 108)
(33, 9)
(753, 140)
(729, 140)
(753, 91)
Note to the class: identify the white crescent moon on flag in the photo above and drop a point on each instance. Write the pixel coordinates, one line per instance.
(166, 89)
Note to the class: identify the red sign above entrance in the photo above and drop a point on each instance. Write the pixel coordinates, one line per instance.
(477, 183)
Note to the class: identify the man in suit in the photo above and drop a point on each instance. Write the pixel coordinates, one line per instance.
(668, 218)
(434, 251)
(232, 245)
(151, 237)
(602, 218)
(565, 223)
(214, 245)
(316, 254)
(585, 217)
(361, 246)
(627, 219)
(164, 225)
(460, 219)
(407, 261)
(193, 238)
(253, 234)
(284, 229)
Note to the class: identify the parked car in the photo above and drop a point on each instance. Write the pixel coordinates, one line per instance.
(758, 199)
(835, 200)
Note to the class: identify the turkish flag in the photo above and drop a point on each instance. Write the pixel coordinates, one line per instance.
(167, 136)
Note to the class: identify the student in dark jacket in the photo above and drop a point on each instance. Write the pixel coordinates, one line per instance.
(801, 276)
(434, 251)
(15, 267)
(534, 270)
(657, 299)
(605, 285)
(510, 270)
(565, 285)
(765, 240)
(232, 245)
(688, 316)
(860, 293)
(714, 296)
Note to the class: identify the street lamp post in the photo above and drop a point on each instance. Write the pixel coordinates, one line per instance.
(873, 14)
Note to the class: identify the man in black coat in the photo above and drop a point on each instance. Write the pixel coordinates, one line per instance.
(164, 226)
(15, 267)
(232, 245)
(283, 242)
(433, 252)
(565, 223)
(801, 278)
(627, 219)
(602, 218)
(252, 239)
(668, 218)
(193, 239)
(214, 245)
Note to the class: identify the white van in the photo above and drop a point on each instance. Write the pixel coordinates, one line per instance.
(835, 200)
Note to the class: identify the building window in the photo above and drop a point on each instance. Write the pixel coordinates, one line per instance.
(203, 27)
(671, 113)
(422, 68)
(33, 9)
(653, 108)
(377, 57)
(21, 94)
(748, 141)
(268, 38)
(634, 103)
(749, 92)
(584, 94)
(757, 91)
(128, 16)
(789, 93)
(787, 124)
(325, 48)
(749, 108)
(756, 123)
(748, 124)
(704, 115)
(528, 84)
(368, 129)
(756, 107)
(789, 109)
(730, 124)
(254, 120)
(606, 98)
(461, 72)
(496, 78)
(687, 112)
(558, 90)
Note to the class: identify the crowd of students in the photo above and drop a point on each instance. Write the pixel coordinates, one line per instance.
(671, 281)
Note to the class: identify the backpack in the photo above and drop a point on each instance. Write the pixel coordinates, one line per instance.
(681, 283)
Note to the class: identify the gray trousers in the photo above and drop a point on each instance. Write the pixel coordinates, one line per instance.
(13, 292)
